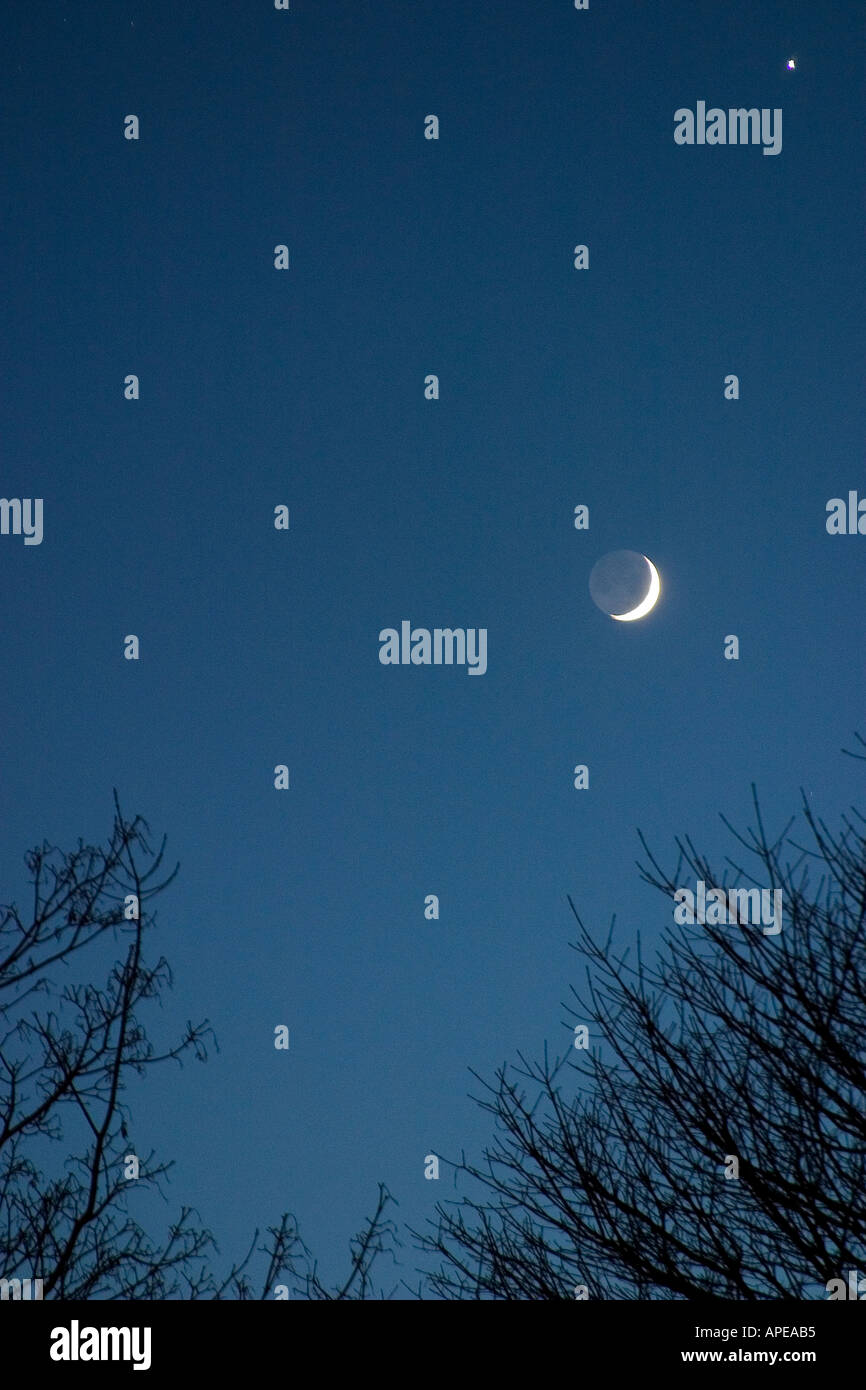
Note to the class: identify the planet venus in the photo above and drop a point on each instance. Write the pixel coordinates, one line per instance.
(625, 585)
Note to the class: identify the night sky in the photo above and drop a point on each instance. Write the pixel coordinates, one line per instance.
(305, 387)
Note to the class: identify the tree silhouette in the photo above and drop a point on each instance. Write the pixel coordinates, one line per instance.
(607, 1174)
(66, 1053)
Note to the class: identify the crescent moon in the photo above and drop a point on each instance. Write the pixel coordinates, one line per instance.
(649, 602)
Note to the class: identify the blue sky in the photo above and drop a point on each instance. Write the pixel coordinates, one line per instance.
(305, 387)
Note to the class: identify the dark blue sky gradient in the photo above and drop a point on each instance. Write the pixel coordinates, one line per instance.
(306, 387)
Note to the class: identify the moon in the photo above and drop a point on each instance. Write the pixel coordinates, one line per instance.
(625, 585)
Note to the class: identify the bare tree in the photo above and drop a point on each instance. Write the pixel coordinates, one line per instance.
(67, 1051)
(610, 1175)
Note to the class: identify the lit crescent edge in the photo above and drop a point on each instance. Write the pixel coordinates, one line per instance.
(653, 592)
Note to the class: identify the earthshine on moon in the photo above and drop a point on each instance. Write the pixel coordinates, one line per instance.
(625, 585)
